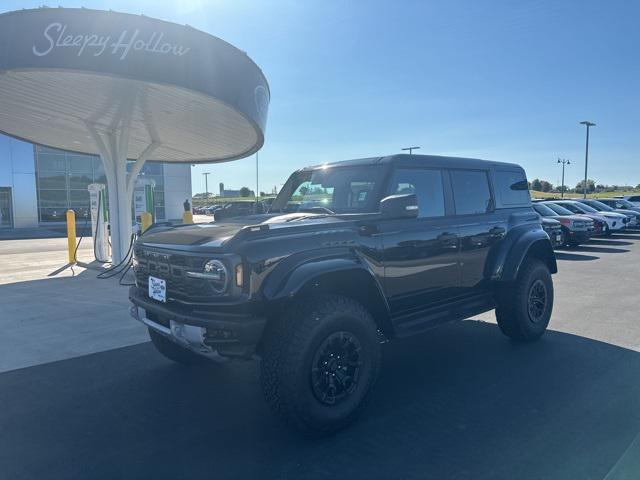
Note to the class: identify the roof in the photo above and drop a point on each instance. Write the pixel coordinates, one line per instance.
(407, 160)
(66, 70)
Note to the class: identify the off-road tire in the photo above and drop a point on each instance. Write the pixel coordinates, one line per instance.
(290, 352)
(173, 351)
(512, 310)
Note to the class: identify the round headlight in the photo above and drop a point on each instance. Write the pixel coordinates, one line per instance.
(217, 275)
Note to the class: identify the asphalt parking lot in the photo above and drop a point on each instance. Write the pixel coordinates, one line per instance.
(459, 402)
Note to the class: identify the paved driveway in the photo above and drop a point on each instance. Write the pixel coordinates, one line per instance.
(460, 402)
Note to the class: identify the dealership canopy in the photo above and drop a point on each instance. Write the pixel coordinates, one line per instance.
(128, 88)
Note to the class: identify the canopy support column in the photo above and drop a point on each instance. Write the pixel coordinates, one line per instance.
(120, 183)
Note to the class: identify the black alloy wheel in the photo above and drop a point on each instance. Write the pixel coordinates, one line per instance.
(336, 367)
(537, 301)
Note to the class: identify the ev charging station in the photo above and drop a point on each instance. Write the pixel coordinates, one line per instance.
(99, 221)
(143, 197)
(127, 88)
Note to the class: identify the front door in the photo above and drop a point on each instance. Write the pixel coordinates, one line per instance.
(6, 212)
(420, 254)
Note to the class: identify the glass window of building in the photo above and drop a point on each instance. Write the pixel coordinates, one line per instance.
(63, 177)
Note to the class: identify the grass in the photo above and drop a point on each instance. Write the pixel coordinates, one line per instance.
(536, 194)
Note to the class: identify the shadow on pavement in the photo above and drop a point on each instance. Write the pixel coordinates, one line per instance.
(599, 241)
(585, 248)
(627, 236)
(458, 402)
(563, 255)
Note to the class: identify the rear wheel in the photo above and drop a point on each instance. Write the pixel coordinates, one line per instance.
(524, 307)
(320, 362)
(173, 351)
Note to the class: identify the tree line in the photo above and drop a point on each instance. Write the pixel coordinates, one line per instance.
(539, 185)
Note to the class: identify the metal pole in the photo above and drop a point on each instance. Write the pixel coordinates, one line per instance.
(206, 184)
(411, 149)
(564, 162)
(586, 163)
(257, 191)
(586, 157)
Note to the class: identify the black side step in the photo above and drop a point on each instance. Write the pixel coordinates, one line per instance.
(409, 323)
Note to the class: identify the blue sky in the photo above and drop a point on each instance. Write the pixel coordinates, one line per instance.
(500, 80)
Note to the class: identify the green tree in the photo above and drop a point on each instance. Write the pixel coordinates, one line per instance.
(245, 192)
(536, 185)
(591, 186)
(545, 186)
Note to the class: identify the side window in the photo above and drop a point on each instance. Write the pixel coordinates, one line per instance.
(511, 188)
(359, 193)
(471, 192)
(426, 184)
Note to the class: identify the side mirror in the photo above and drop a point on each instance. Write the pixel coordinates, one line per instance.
(399, 206)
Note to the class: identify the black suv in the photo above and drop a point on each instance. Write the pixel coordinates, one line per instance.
(350, 254)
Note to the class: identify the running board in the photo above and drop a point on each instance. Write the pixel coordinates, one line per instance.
(415, 322)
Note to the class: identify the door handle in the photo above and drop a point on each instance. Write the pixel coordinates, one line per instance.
(497, 231)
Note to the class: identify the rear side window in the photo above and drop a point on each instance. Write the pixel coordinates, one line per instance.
(471, 191)
(426, 185)
(511, 188)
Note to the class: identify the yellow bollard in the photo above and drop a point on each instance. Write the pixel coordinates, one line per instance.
(146, 219)
(187, 217)
(71, 235)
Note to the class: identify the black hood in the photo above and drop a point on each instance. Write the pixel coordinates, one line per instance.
(217, 234)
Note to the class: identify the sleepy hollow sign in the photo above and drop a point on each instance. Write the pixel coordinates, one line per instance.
(111, 45)
(57, 35)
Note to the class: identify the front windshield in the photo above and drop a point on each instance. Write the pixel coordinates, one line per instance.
(625, 203)
(560, 210)
(544, 210)
(600, 206)
(330, 190)
(584, 208)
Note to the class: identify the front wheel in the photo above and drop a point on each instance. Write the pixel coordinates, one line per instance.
(524, 307)
(320, 362)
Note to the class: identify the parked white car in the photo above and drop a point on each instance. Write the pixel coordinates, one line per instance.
(615, 221)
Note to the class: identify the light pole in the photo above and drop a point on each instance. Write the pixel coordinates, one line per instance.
(206, 184)
(411, 149)
(563, 161)
(586, 157)
(257, 191)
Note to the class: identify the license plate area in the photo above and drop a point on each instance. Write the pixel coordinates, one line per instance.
(157, 289)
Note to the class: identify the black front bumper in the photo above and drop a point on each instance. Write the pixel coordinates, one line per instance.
(229, 333)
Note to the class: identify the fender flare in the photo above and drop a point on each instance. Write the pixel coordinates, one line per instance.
(338, 274)
(504, 264)
(289, 278)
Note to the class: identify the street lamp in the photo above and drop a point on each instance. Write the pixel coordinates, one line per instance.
(257, 180)
(411, 149)
(563, 161)
(586, 157)
(206, 184)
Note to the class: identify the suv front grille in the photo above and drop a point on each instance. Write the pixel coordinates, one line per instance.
(172, 268)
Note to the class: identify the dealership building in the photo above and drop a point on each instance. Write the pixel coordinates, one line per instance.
(39, 184)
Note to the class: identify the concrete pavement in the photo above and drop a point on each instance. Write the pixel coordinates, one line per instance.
(52, 311)
(459, 402)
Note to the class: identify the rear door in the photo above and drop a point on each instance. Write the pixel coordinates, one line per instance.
(479, 225)
(420, 254)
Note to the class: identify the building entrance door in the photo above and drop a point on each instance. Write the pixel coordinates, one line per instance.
(6, 211)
